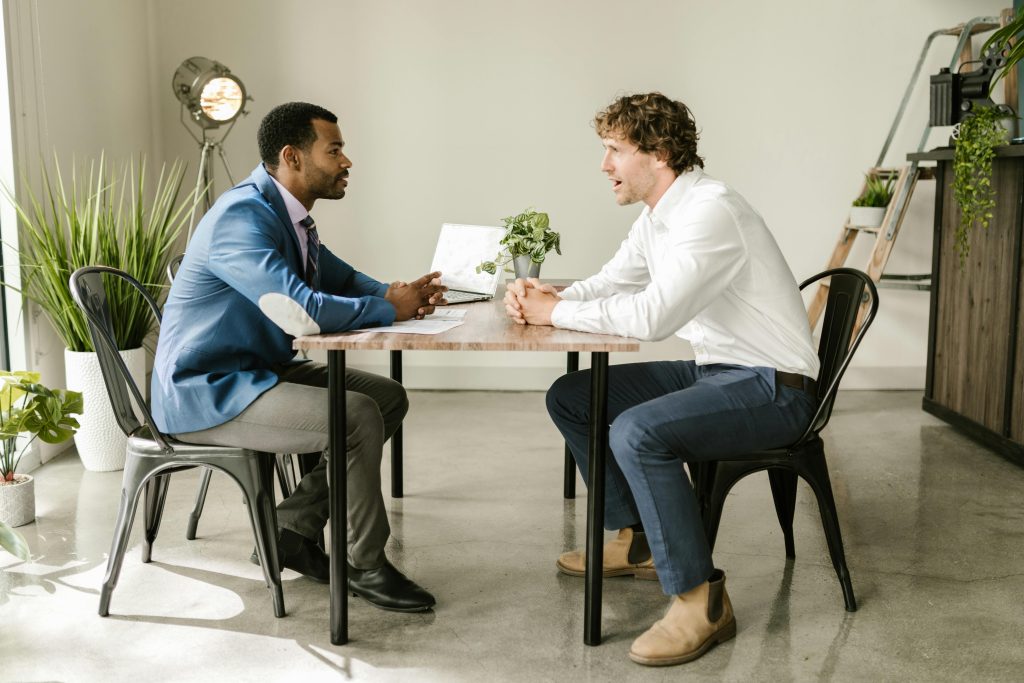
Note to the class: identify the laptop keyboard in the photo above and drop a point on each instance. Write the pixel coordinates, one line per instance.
(459, 297)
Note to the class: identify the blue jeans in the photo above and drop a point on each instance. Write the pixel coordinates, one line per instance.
(662, 415)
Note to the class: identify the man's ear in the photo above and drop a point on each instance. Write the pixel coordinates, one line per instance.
(291, 158)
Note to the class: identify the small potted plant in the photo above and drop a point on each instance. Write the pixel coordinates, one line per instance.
(527, 241)
(868, 210)
(29, 408)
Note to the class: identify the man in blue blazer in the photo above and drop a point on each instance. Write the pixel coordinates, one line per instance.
(254, 277)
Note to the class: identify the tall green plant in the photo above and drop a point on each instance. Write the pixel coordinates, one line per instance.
(106, 217)
(976, 142)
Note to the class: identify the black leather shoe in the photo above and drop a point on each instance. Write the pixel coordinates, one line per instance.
(300, 554)
(388, 588)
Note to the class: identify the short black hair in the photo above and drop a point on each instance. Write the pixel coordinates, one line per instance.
(289, 124)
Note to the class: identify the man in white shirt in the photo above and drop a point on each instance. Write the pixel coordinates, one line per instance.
(700, 263)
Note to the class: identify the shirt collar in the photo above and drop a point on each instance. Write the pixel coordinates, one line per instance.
(296, 211)
(673, 195)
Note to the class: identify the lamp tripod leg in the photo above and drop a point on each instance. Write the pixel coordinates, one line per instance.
(203, 187)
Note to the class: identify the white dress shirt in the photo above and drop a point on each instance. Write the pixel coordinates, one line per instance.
(702, 265)
(296, 212)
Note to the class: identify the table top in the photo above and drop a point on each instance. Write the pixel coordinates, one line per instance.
(486, 328)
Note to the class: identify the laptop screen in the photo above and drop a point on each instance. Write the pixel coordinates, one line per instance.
(460, 249)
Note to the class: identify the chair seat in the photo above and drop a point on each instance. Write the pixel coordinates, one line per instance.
(144, 446)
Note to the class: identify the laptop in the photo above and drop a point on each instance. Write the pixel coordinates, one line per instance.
(460, 249)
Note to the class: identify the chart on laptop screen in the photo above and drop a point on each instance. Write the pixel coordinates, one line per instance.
(460, 249)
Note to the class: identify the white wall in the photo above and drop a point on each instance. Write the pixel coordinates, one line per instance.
(468, 111)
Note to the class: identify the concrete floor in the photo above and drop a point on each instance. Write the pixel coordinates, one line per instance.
(933, 525)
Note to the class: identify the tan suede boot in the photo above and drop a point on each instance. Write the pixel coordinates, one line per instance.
(695, 622)
(627, 555)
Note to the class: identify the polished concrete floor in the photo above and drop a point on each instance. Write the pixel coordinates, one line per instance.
(933, 524)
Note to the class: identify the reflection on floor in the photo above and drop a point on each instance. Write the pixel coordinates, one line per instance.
(933, 524)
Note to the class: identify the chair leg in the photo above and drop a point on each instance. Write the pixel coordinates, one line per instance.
(197, 511)
(569, 476)
(283, 463)
(134, 476)
(257, 480)
(155, 492)
(783, 483)
(815, 472)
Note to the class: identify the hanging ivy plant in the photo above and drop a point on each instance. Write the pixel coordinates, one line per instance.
(976, 139)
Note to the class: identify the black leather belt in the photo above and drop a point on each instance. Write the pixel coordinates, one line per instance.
(797, 381)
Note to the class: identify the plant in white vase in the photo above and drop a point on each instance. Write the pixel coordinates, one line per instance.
(102, 217)
(527, 241)
(29, 408)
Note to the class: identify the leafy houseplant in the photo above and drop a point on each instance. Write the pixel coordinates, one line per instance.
(28, 407)
(976, 136)
(105, 216)
(527, 241)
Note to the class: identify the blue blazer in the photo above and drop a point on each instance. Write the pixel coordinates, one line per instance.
(237, 302)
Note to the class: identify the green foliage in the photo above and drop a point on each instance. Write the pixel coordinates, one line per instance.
(42, 412)
(13, 542)
(976, 141)
(1002, 39)
(877, 191)
(528, 233)
(105, 217)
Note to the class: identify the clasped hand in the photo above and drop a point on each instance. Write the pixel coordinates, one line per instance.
(530, 302)
(417, 298)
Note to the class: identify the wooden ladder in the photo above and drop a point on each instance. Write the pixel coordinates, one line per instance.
(906, 180)
(885, 238)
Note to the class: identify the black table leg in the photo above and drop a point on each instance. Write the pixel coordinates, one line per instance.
(396, 438)
(595, 497)
(572, 364)
(337, 482)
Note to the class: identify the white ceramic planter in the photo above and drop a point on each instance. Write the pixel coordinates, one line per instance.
(18, 500)
(99, 441)
(867, 216)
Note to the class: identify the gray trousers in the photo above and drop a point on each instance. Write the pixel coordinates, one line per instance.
(292, 418)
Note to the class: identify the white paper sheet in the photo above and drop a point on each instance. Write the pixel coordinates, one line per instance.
(424, 326)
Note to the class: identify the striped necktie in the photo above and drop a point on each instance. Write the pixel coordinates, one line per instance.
(312, 252)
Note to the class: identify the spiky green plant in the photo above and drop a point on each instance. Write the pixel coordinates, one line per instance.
(105, 217)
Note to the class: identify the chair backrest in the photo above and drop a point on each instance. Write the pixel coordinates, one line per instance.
(840, 335)
(173, 265)
(88, 292)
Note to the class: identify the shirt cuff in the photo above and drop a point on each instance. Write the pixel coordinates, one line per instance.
(563, 313)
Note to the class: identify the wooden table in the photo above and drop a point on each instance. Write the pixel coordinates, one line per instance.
(486, 328)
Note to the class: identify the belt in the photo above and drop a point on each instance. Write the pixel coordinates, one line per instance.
(797, 381)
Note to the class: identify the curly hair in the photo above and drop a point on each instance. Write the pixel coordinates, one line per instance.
(656, 125)
(289, 124)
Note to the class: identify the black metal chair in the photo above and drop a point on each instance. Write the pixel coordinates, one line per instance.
(152, 456)
(840, 337)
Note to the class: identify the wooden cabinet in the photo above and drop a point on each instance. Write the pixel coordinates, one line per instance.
(975, 376)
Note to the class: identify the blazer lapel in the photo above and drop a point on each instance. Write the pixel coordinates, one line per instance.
(266, 186)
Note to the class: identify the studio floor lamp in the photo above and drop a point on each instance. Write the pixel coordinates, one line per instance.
(213, 98)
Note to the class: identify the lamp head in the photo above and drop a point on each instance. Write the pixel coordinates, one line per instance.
(209, 91)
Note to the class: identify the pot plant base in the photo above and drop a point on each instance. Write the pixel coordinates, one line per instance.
(18, 500)
(100, 442)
